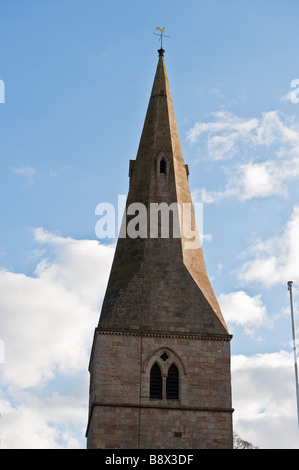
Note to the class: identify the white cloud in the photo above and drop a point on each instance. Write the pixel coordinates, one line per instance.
(275, 260)
(56, 310)
(264, 398)
(46, 422)
(265, 179)
(47, 324)
(258, 180)
(80, 266)
(267, 150)
(240, 309)
(254, 180)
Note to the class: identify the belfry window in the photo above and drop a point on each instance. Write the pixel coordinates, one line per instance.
(156, 382)
(163, 166)
(165, 375)
(172, 383)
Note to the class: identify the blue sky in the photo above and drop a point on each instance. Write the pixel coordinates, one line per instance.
(78, 77)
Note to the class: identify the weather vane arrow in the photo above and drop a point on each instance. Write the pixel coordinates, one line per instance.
(161, 34)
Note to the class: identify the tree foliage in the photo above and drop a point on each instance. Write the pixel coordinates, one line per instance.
(239, 443)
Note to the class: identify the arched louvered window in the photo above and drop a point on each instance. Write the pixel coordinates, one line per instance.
(163, 166)
(156, 382)
(172, 383)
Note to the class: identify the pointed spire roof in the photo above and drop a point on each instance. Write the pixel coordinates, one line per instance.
(160, 284)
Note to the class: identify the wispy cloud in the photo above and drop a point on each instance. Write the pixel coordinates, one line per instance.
(27, 172)
(220, 136)
(58, 171)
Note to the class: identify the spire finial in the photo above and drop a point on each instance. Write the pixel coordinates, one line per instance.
(161, 34)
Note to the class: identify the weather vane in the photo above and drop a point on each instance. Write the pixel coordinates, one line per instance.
(161, 34)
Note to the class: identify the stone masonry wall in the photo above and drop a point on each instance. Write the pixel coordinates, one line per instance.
(123, 416)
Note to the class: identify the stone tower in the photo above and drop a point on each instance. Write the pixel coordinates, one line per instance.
(160, 361)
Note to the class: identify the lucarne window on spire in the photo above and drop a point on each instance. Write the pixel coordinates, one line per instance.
(163, 166)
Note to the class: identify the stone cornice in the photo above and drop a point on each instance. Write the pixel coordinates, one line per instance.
(156, 334)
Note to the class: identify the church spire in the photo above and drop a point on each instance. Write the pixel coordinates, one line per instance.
(167, 275)
(161, 352)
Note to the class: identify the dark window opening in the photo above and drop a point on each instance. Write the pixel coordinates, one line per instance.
(156, 383)
(172, 383)
(163, 166)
